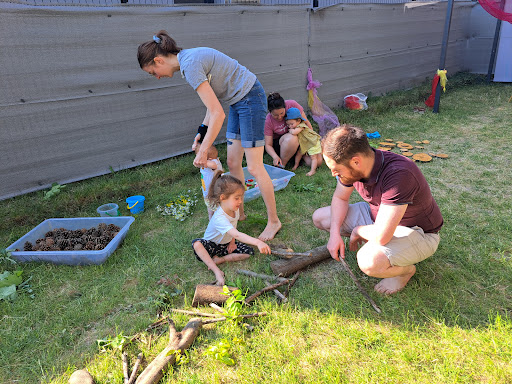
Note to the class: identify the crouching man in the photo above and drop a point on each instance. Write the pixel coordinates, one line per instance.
(399, 220)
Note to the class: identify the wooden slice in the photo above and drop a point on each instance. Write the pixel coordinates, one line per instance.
(405, 149)
(441, 155)
(386, 144)
(426, 142)
(389, 140)
(418, 142)
(408, 154)
(405, 145)
(418, 146)
(423, 157)
(384, 148)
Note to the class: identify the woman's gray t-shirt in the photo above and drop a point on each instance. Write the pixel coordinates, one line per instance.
(230, 80)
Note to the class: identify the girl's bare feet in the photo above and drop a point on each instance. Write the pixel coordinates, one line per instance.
(311, 173)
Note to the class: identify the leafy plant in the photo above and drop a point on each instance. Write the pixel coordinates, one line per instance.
(181, 357)
(55, 190)
(234, 303)
(5, 255)
(310, 187)
(164, 298)
(222, 351)
(8, 283)
(116, 343)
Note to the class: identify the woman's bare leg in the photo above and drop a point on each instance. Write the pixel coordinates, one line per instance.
(254, 157)
(289, 144)
(235, 158)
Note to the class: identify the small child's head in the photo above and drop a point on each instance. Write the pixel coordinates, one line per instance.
(222, 187)
(293, 118)
(212, 151)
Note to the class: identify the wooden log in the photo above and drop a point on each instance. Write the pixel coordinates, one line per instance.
(206, 294)
(286, 267)
(179, 341)
(194, 313)
(292, 282)
(223, 318)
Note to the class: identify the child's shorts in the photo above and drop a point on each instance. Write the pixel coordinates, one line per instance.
(221, 250)
(316, 149)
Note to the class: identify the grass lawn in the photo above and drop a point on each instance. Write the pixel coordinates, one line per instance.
(451, 324)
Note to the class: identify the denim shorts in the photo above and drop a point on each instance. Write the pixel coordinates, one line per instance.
(246, 120)
(409, 245)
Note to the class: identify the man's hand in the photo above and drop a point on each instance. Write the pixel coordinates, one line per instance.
(355, 240)
(263, 247)
(336, 247)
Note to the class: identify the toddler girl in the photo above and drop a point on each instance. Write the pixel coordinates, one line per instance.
(222, 242)
(309, 140)
(213, 164)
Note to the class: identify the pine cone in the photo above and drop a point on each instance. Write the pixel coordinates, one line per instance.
(48, 234)
(99, 247)
(113, 228)
(78, 247)
(27, 246)
(49, 241)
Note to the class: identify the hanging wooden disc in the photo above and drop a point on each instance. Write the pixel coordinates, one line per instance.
(423, 157)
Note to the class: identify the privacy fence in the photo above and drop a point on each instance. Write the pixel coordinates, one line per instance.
(74, 103)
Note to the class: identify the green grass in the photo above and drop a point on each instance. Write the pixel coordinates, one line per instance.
(451, 324)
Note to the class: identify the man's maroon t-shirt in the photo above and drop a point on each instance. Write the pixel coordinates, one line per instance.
(397, 180)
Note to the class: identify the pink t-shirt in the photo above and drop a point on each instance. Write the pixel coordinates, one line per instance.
(275, 128)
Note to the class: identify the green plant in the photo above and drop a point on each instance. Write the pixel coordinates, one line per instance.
(234, 304)
(8, 283)
(309, 187)
(181, 357)
(116, 343)
(5, 255)
(181, 207)
(222, 351)
(54, 190)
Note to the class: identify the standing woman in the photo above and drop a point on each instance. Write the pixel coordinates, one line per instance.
(217, 77)
(279, 143)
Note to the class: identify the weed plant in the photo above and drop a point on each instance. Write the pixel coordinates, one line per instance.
(451, 324)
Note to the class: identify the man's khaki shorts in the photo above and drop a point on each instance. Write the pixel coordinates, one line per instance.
(409, 245)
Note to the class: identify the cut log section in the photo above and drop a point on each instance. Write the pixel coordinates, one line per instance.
(206, 294)
(408, 154)
(286, 267)
(423, 157)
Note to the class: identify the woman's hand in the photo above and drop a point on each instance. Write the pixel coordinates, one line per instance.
(277, 162)
(201, 159)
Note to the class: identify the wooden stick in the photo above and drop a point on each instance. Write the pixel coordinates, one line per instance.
(279, 295)
(223, 318)
(288, 254)
(266, 289)
(133, 376)
(126, 373)
(292, 282)
(217, 308)
(260, 275)
(194, 313)
(358, 284)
